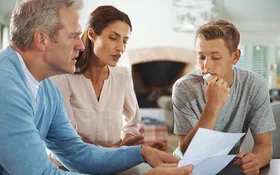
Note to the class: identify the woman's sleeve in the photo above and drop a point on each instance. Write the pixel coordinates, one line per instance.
(131, 109)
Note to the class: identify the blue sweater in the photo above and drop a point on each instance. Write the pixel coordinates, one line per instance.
(28, 125)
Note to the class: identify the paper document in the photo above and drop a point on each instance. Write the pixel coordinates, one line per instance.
(208, 151)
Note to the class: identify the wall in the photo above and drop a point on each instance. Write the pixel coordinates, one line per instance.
(271, 40)
(152, 19)
(151, 22)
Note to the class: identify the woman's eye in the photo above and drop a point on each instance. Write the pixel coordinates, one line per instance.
(74, 37)
(111, 38)
(202, 57)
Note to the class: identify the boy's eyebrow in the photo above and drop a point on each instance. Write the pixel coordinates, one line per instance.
(210, 52)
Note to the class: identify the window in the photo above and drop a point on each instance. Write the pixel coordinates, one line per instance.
(242, 59)
(4, 37)
(259, 60)
(278, 61)
(1, 37)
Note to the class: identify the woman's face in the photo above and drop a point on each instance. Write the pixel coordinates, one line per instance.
(111, 43)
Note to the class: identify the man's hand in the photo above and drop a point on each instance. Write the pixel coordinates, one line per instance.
(171, 169)
(248, 163)
(156, 157)
(161, 145)
(131, 140)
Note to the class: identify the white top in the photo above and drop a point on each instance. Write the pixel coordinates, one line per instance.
(101, 122)
(32, 82)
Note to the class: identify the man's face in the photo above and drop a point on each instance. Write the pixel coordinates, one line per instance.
(215, 58)
(60, 55)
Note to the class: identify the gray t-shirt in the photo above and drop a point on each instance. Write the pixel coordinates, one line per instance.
(247, 107)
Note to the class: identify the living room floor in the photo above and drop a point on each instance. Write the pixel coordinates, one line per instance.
(172, 142)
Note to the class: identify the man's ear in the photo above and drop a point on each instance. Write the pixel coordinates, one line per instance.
(41, 39)
(236, 56)
(91, 34)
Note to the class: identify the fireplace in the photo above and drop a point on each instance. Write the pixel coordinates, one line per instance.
(155, 70)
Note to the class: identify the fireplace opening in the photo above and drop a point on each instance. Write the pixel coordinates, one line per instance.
(154, 79)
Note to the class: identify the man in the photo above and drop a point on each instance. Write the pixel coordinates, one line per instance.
(45, 42)
(234, 100)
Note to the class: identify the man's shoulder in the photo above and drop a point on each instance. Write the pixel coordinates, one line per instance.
(249, 77)
(190, 79)
(7, 52)
(7, 58)
(10, 69)
(190, 85)
(251, 84)
(49, 86)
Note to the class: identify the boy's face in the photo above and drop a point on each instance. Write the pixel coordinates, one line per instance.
(215, 58)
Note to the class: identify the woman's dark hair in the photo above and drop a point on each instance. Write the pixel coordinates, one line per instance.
(99, 19)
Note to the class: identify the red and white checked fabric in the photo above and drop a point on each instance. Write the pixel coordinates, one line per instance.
(153, 133)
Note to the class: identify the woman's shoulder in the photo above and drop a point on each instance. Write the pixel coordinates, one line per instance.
(119, 71)
(67, 79)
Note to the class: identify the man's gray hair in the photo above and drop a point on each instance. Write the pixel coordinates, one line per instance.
(31, 15)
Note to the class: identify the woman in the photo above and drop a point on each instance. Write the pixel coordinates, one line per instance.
(99, 96)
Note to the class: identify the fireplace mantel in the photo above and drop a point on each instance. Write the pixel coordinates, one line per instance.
(165, 53)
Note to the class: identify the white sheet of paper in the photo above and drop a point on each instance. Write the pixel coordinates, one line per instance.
(212, 165)
(210, 148)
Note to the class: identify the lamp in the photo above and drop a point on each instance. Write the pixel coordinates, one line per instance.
(189, 14)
